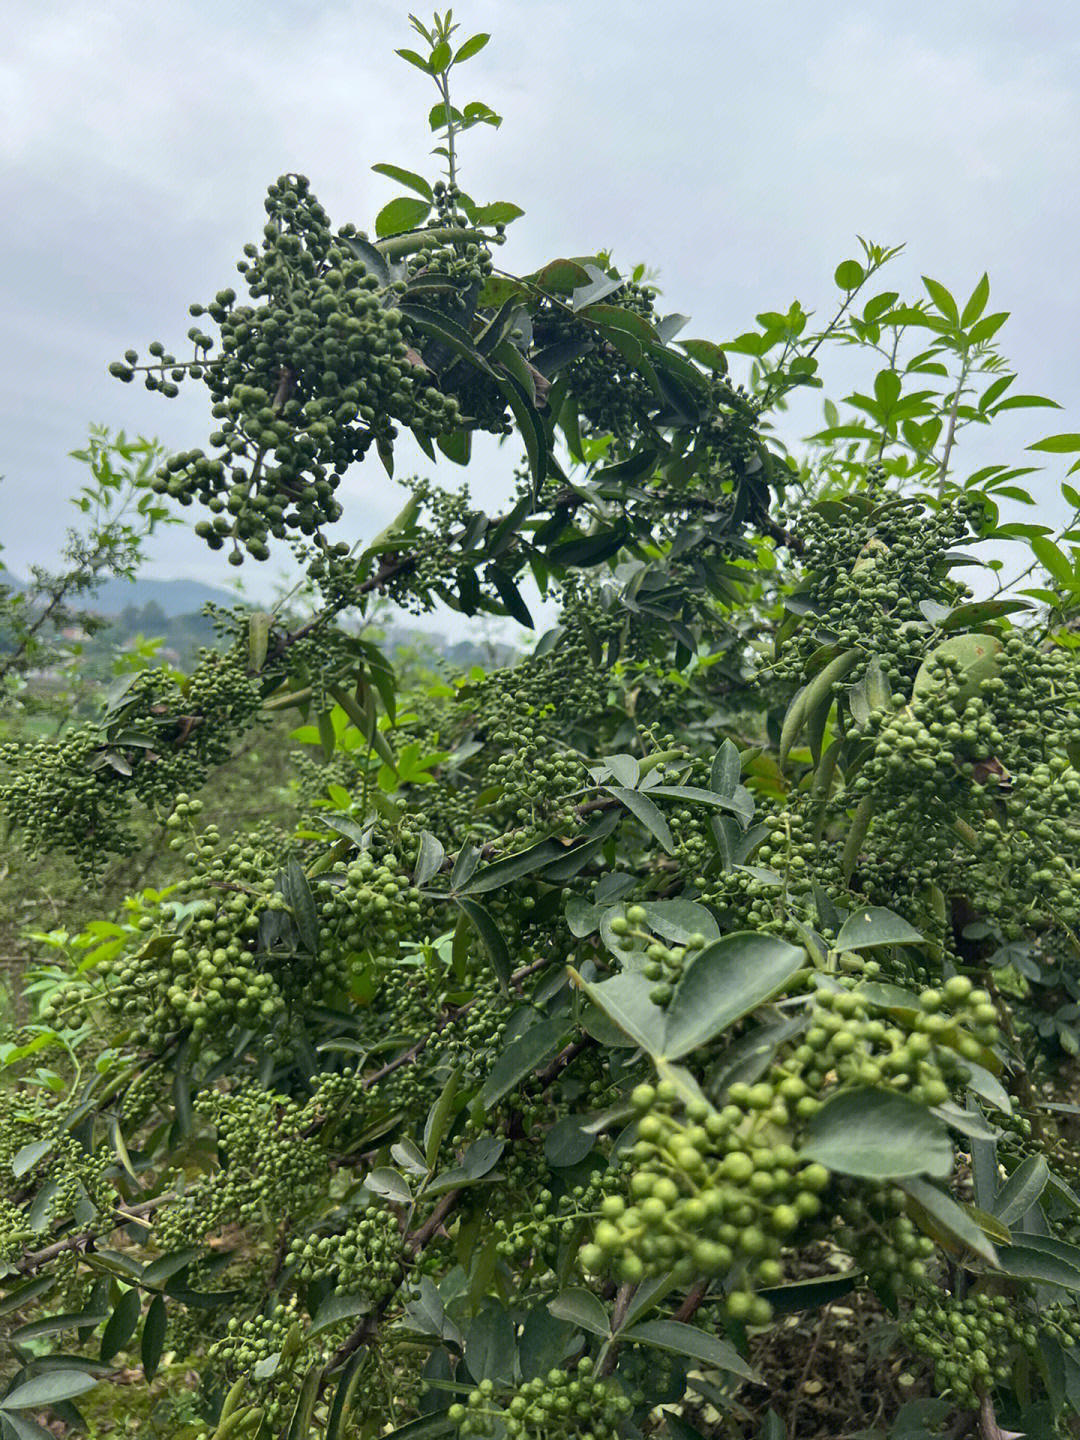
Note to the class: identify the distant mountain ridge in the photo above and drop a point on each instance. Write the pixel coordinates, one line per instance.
(176, 597)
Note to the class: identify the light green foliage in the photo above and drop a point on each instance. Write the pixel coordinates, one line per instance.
(715, 961)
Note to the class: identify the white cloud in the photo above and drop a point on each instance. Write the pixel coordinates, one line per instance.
(739, 147)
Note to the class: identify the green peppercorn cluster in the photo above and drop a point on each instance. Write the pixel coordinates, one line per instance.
(75, 794)
(561, 1405)
(974, 1342)
(265, 1347)
(717, 1188)
(303, 382)
(869, 568)
(362, 1259)
(545, 1211)
(15, 1231)
(920, 1053)
(876, 1230)
(270, 1166)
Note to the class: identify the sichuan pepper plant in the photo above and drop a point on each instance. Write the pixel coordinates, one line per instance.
(715, 962)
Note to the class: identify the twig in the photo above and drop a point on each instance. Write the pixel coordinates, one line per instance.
(84, 1239)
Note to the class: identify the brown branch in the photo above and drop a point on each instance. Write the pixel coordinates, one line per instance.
(84, 1239)
(562, 1060)
(610, 1354)
(692, 1302)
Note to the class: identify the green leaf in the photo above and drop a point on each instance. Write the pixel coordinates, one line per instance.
(809, 1294)
(401, 215)
(643, 809)
(48, 1389)
(1053, 560)
(406, 177)
(502, 872)
(973, 658)
(414, 59)
(300, 1424)
(510, 596)
(28, 1156)
(624, 999)
(343, 1396)
(706, 353)
(302, 904)
(492, 940)
(153, 1336)
(439, 58)
(524, 1055)
(687, 1340)
(429, 859)
(878, 1135)
(122, 1324)
(941, 1213)
(1058, 444)
(55, 1324)
(384, 1180)
(530, 426)
(849, 275)
(1022, 1189)
(942, 299)
(472, 47)
(566, 1143)
(489, 1344)
(724, 982)
(438, 1121)
(499, 212)
(543, 1344)
(583, 1309)
(22, 1427)
(977, 304)
(336, 1308)
(166, 1266)
(1039, 1258)
(726, 770)
(872, 925)
(815, 695)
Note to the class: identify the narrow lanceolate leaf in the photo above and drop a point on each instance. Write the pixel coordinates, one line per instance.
(726, 770)
(471, 47)
(438, 1121)
(302, 903)
(48, 1389)
(1058, 444)
(153, 1336)
(409, 178)
(878, 1135)
(1022, 1189)
(122, 1325)
(864, 813)
(643, 809)
(945, 1221)
(527, 1053)
(688, 1340)
(581, 1308)
(491, 937)
(300, 1424)
(258, 638)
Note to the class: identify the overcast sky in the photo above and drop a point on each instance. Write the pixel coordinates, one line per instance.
(738, 147)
